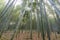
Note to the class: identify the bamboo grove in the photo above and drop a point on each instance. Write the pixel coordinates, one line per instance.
(42, 16)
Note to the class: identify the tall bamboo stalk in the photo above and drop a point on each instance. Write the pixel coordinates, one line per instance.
(41, 12)
(31, 20)
(47, 24)
(37, 18)
(4, 12)
(5, 7)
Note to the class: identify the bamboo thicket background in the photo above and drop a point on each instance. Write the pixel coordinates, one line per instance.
(29, 19)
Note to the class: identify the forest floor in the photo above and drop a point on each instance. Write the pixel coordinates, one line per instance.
(25, 35)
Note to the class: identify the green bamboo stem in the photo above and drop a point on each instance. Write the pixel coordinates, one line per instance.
(42, 27)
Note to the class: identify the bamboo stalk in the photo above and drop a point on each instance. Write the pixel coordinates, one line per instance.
(5, 7)
(4, 13)
(41, 11)
(47, 23)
